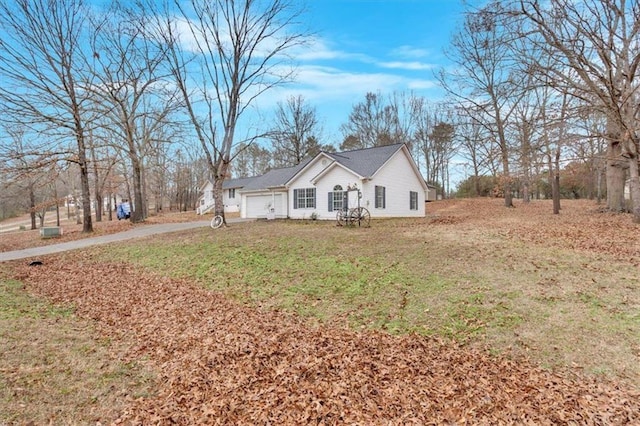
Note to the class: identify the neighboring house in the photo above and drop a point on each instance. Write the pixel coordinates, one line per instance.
(231, 196)
(388, 179)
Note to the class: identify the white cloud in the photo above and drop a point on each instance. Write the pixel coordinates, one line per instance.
(410, 66)
(321, 84)
(318, 49)
(410, 52)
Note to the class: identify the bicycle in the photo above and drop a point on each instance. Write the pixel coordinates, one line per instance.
(217, 221)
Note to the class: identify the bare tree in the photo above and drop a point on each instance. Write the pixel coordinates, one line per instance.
(434, 137)
(295, 132)
(476, 148)
(27, 170)
(251, 160)
(238, 50)
(376, 121)
(131, 92)
(45, 73)
(484, 80)
(599, 42)
(103, 162)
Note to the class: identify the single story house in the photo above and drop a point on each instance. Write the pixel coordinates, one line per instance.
(385, 180)
(230, 197)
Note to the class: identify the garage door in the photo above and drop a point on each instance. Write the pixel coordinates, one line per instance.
(258, 205)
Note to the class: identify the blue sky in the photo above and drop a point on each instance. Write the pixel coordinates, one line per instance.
(365, 46)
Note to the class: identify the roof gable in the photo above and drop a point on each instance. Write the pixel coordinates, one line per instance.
(362, 162)
(366, 162)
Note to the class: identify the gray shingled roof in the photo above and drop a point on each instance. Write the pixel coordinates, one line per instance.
(236, 183)
(365, 162)
(274, 178)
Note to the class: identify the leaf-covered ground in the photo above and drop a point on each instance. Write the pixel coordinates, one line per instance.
(222, 363)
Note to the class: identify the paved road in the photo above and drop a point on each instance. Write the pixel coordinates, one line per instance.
(142, 231)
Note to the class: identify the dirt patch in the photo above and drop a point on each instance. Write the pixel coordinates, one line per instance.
(222, 363)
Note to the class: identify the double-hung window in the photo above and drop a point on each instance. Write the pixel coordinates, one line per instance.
(232, 193)
(413, 200)
(336, 199)
(381, 200)
(304, 198)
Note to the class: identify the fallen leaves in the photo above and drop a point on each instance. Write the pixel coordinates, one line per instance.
(223, 363)
(580, 224)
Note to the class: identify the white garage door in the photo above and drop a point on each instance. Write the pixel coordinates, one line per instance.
(259, 205)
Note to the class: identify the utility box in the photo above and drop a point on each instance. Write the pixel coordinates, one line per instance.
(50, 232)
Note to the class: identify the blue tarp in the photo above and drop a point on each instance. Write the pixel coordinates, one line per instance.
(124, 211)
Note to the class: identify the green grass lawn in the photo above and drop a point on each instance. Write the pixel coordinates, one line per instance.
(561, 307)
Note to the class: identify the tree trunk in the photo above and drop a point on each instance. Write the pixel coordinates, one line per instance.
(137, 215)
(96, 176)
(556, 183)
(634, 188)
(99, 201)
(218, 197)
(87, 224)
(615, 177)
(55, 194)
(222, 167)
(555, 192)
(109, 208)
(32, 205)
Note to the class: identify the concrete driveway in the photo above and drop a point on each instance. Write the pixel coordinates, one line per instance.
(142, 231)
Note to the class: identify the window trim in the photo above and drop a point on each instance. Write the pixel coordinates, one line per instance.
(302, 195)
(380, 196)
(336, 198)
(413, 200)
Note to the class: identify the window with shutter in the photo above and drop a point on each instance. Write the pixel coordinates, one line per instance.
(380, 197)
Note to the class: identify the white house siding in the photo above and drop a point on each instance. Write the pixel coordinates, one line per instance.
(231, 205)
(336, 176)
(304, 180)
(398, 179)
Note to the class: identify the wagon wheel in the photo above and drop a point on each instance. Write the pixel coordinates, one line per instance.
(340, 218)
(365, 217)
(355, 216)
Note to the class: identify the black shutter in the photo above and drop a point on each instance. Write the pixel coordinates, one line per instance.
(384, 197)
(295, 198)
(330, 201)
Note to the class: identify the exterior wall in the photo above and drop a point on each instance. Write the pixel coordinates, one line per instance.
(231, 205)
(398, 178)
(336, 176)
(304, 180)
